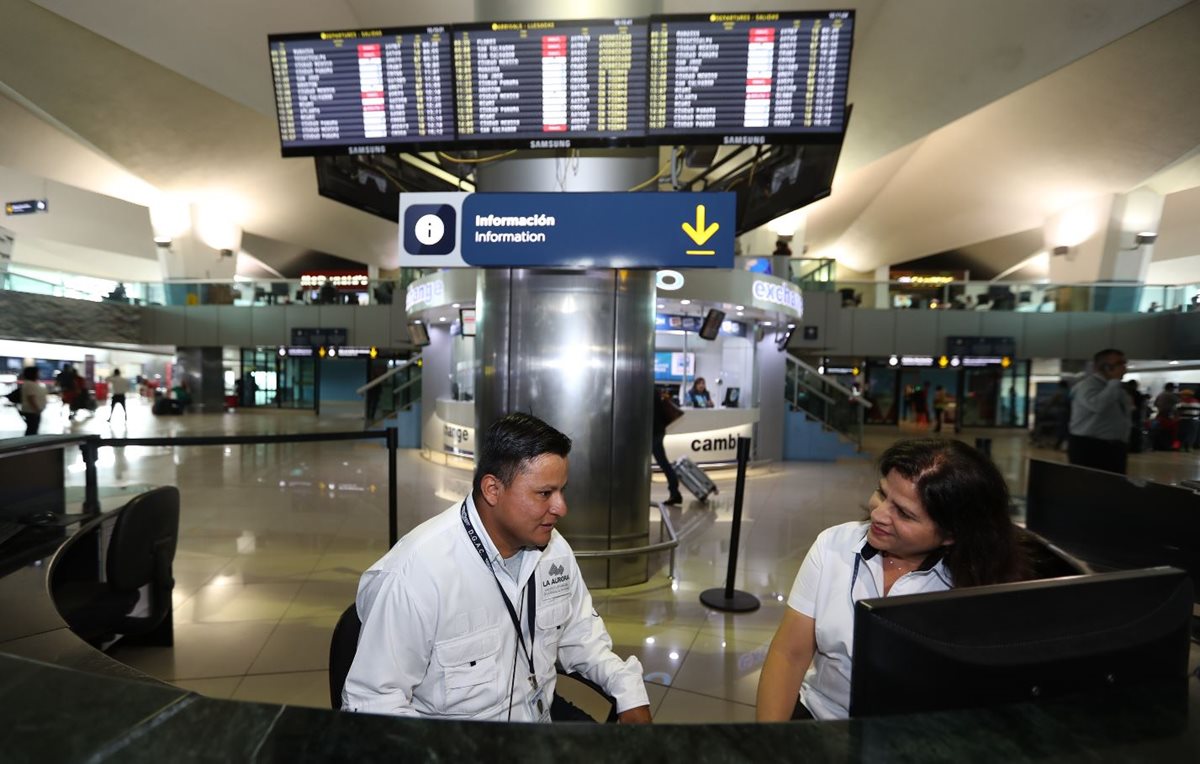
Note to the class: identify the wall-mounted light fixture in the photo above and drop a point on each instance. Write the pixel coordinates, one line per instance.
(1061, 249)
(1145, 237)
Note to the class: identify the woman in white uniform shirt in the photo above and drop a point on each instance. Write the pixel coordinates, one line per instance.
(939, 519)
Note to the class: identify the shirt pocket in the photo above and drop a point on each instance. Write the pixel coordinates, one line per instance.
(551, 620)
(470, 669)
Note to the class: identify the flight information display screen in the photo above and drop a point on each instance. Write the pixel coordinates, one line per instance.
(748, 78)
(551, 84)
(361, 92)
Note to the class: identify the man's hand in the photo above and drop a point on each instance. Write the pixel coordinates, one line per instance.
(639, 715)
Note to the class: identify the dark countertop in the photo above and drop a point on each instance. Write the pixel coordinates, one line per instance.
(58, 714)
(62, 700)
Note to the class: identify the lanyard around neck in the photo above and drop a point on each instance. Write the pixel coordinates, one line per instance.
(512, 612)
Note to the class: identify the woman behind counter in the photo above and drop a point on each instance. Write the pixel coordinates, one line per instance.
(938, 520)
(698, 396)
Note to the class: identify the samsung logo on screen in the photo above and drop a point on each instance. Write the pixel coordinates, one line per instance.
(744, 140)
(559, 143)
(366, 149)
(779, 294)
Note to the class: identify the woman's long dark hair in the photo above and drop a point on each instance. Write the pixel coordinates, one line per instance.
(967, 497)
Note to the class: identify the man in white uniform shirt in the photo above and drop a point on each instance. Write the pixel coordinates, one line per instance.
(465, 617)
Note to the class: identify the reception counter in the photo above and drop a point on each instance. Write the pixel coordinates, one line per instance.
(709, 436)
(63, 700)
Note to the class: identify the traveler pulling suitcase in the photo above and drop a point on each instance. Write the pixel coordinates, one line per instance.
(694, 479)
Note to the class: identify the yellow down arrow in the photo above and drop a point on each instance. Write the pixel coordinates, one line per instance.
(700, 233)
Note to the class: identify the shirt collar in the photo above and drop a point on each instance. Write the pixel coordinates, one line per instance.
(931, 560)
(485, 538)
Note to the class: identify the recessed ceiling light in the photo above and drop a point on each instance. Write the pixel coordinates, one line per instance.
(685, 302)
(741, 307)
(456, 305)
(443, 318)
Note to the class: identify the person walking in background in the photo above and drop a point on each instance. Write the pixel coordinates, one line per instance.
(1188, 413)
(68, 389)
(33, 400)
(665, 412)
(118, 388)
(1100, 412)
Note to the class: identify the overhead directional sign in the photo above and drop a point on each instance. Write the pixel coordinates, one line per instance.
(567, 230)
(27, 207)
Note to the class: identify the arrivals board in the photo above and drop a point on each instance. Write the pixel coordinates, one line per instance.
(550, 84)
(363, 92)
(748, 78)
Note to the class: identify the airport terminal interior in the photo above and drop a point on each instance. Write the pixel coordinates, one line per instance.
(312, 290)
(274, 538)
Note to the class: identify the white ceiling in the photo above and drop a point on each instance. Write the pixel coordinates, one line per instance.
(973, 119)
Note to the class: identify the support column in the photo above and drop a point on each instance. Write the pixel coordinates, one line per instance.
(576, 348)
(1102, 239)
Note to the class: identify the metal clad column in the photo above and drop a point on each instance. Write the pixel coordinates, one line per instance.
(576, 347)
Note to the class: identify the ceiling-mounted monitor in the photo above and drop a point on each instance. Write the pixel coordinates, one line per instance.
(748, 78)
(550, 84)
(363, 91)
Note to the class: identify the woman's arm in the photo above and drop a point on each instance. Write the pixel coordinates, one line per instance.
(788, 658)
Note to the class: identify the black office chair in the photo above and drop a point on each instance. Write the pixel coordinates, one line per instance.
(344, 645)
(140, 553)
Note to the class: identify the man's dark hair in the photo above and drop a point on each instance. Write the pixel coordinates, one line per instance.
(1105, 354)
(1169, 386)
(30, 373)
(514, 441)
(965, 494)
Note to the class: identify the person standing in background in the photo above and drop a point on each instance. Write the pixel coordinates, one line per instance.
(939, 407)
(33, 400)
(1188, 412)
(1100, 416)
(1165, 405)
(118, 388)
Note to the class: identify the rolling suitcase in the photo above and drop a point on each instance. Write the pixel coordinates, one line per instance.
(694, 479)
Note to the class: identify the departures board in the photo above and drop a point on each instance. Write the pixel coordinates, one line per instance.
(551, 84)
(719, 78)
(359, 92)
(747, 78)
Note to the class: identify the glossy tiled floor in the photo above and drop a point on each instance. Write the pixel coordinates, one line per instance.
(273, 540)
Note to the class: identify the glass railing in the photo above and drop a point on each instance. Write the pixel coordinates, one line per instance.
(237, 291)
(838, 407)
(394, 391)
(1020, 297)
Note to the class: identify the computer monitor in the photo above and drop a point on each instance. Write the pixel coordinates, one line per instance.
(1015, 642)
(32, 481)
(712, 324)
(418, 333)
(731, 397)
(1114, 521)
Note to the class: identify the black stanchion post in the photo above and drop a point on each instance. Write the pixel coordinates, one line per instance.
(393, 444)
(731, 600)
(91, 491)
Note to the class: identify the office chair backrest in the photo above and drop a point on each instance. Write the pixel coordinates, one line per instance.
(341, 653)
(143, 539)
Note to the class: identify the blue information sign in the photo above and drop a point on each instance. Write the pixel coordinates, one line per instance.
(567, 230)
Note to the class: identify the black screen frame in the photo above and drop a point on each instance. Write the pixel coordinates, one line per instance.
(986, 645)
(563, 141)
(384, 146)
(754, 137)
